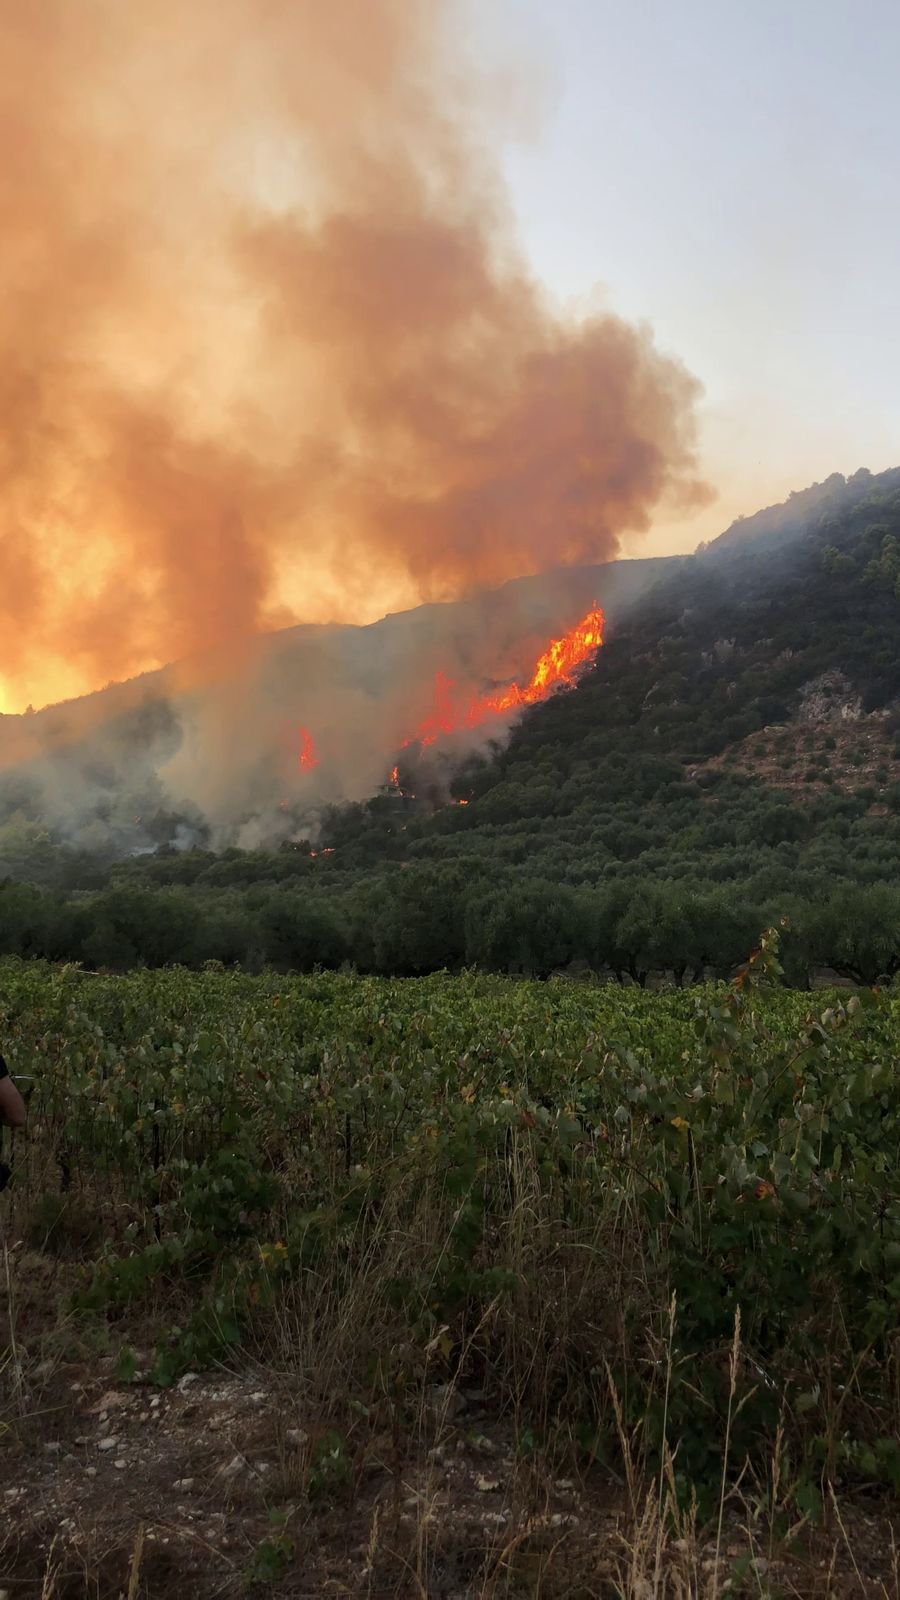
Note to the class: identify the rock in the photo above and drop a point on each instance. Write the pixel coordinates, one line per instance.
(111, 1401)
(107, 1444)
(829, 698)
(484, 1445)
(119, 1465)
(52, 1447)
(231, 1469)
(184, 1485)
(91, 1472)
(185, 1381)
(486, 1485)
(445, 1399)
(297, 1437)
(258, 1397)
(155, 1403)
(563, 1519)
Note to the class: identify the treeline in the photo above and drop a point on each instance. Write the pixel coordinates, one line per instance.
(651, 820)
(418, 920)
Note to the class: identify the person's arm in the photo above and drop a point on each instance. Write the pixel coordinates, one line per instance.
(12, 1106)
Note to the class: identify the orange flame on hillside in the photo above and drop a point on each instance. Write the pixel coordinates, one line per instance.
(555, 668)
(307, 758)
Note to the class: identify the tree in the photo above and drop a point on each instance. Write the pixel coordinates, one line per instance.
(531, 928)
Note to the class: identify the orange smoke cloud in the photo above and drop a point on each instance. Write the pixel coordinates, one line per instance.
(268, 349)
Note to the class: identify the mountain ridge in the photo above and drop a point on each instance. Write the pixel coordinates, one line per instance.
(729, 759)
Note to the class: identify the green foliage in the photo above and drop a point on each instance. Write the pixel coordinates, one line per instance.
(273, 1555)
(330, 1466)
(238, 1137)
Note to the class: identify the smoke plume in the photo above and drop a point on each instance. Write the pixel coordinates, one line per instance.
(268, 347)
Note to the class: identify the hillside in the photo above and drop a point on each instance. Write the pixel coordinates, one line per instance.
(731, 758)
(206, 749)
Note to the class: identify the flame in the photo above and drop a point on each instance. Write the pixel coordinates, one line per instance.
(442, 719)
(307, 758)
(554, 669)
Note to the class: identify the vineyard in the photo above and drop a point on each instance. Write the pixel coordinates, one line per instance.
(657, 1235)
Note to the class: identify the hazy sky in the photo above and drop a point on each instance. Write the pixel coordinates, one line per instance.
(731, 173)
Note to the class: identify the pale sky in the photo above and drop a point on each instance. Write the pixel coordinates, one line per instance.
(730, 173)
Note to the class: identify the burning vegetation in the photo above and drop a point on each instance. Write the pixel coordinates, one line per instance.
(308, 758)
(555, 668)
(456, 710)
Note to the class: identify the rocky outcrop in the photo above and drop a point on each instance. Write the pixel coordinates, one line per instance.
(829, 698)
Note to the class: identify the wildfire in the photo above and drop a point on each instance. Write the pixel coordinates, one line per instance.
(555, 668)
(307, 758)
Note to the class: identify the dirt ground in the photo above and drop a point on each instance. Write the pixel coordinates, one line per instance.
(223, 1485)
(205, 1489)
